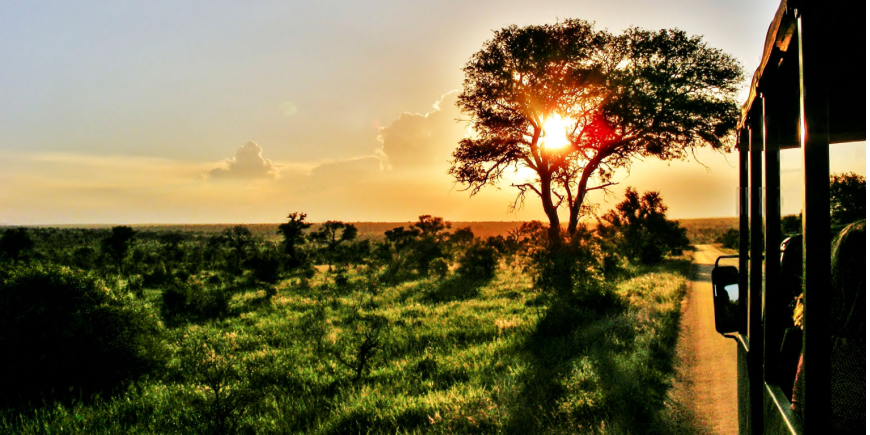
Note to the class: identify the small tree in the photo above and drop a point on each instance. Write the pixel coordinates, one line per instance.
(117, 244)
(294, 237)
(641, 227)
(462, 237)
(430, 243)
(331, 235)
(240, 241)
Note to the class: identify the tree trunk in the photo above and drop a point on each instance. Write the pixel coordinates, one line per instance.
(574, 219)
(554, 233)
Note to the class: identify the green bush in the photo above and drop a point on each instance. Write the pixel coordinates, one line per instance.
(63, 332)
(194, 299)
(730, 239)
(479, 262)
(266, 265)
(439, 268)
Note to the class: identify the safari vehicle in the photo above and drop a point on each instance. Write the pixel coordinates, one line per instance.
(808, 93)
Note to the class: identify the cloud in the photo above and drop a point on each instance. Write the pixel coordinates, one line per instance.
(248, 163)
(419, 140)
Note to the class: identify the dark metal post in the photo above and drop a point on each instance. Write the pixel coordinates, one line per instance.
(774, 304)
(812, 43)
(756, 242)
(743, 247)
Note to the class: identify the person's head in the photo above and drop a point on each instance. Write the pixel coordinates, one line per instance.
(848, 281)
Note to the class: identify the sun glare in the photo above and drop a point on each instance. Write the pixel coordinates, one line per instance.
(556, 132)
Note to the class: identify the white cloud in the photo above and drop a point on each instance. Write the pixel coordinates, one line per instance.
(248, 163)
(423, 140)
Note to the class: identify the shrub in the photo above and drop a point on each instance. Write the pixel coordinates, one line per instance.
(194, 299)
(730, 239)
(641, 230)
(64, 333)
(223, 393)
(266, 265)
(479, 262)
(117, 244)
(570, 268)
(439, 268)
(15, 242)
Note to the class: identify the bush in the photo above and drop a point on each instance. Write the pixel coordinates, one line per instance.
(15, 242)
(730, 239)
(65, 333)
(266, 265)
(439, 268)
(479, 262)
(641, 230)
(568, 269)
(194, 299)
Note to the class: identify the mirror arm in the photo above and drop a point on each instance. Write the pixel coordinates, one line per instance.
(731, 336)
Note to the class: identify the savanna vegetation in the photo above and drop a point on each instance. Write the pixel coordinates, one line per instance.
(429, 330)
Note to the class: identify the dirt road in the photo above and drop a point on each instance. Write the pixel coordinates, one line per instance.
(704, 397)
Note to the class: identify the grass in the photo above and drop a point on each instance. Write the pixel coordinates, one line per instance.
(446, 356)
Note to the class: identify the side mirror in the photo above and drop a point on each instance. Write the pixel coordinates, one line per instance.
(726, 297)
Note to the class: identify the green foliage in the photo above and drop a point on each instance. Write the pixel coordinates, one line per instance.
(293, 232)
(479, 262)
(415, 248)
(439, 268)
(266, 264)
(569, 269)
(117, 244)
(420, 355)
(14, 243)
(197, 298)
(848, 198)
(730, 238)
(239, 241)
(640, 228)
(462, 237)
(336, 240)
(223, 392)
(65, 333)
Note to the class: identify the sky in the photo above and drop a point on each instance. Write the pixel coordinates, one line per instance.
(129, 112)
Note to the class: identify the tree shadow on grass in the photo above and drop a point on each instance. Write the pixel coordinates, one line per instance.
(565, 333)
(454, 288)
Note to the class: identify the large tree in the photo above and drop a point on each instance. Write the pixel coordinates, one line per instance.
(574, 105)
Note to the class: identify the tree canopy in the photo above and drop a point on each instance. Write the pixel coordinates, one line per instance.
(848, 198)
(574, 104)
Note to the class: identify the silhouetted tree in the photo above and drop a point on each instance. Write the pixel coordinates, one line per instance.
(117, 244)
(619, 97)
(430, 243)
(462, 237)
(642, 229)
(15, 242)
(331, 235)
(240, 241)
(848, 198)
(294, 237)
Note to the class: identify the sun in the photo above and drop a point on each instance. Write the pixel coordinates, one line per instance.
(556, 132)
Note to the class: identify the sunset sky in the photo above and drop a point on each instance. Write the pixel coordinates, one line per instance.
(242, 112)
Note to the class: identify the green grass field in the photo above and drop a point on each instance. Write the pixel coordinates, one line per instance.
(440, 356)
